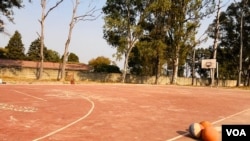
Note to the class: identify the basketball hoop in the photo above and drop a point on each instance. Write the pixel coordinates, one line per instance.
(208, 63)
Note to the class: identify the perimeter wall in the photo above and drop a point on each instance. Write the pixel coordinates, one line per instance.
(83, 76)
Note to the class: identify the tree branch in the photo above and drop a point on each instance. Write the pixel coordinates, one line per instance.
(89, 14)
(52, 8)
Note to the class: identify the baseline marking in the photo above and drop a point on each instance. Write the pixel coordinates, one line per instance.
(70, 124)
(30, 95)
(180, 136)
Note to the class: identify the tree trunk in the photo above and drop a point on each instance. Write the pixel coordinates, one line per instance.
(241, 47)
(131, 44)
(65, 57)
(193, 67)
(215, 46)
(43, 17)
(40, 74)
(175, 71)
(248, 78)
(175, 66)
(125, 66)
(66, 52)
(158, 70)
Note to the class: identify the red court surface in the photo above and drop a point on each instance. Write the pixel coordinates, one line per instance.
(115, 112)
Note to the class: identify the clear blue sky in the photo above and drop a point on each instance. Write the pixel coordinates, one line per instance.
(87, 39)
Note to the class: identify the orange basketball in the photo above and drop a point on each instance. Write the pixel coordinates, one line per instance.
(209, 134)
(205, 124)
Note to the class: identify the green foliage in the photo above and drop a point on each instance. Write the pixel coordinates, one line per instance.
(170, 28)
(52, 56)
(165, 30)
(121, 21)
(152, 46)
(102, 64)
(101, 60)
(229, 47)
(122, 27)
(146, 56)
(6, 7)
(183, 21)
(73, 58)
(3, 53)
(15, 48)
(33, 53)
(107, 69)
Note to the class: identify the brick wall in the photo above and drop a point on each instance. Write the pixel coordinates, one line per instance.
(83, 76)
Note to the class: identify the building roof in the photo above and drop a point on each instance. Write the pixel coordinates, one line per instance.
(46, 65)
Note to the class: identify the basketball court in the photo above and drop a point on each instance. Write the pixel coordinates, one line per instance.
(115, 112)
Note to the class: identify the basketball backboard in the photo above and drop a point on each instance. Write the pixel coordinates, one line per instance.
(208, 63)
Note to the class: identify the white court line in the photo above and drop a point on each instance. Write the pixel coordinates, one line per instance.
(30, 95)
(72, 123)
(180, 136)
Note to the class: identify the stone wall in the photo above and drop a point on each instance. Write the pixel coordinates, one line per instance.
(83, 76)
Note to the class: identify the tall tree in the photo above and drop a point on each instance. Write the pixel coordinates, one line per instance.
(42, 22)
(15, 47)
(216, 38)
(231, 40)
(243, 11)
(155, 25)
(183, 21)
(122, 28)
(88, 16)
(142, 59)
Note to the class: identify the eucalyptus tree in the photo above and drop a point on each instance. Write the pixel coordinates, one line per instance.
(216, 38)
(154, 41)
(122, 28)
(171, 27)
(232, 39)
(75, 18)
(183, 22)
(44, 15)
